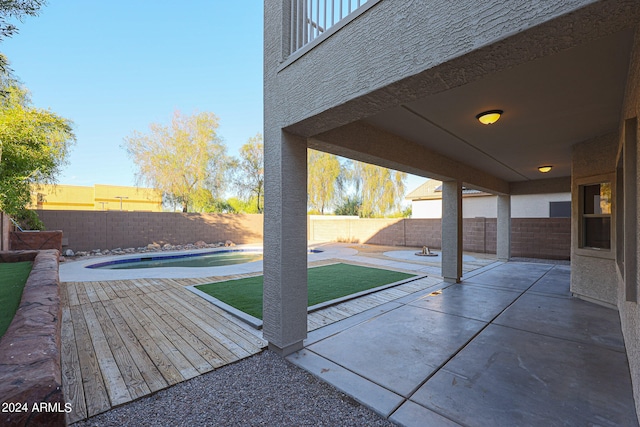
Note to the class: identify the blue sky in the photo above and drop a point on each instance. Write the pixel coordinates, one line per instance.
(116, 66)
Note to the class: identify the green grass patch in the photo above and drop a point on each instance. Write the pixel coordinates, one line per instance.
(324, 284)
(13, 276)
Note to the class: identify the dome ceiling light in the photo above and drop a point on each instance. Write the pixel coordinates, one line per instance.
(544, 169)
(489, 117)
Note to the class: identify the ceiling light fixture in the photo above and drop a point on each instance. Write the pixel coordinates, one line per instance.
(489, 117)
(544, 169)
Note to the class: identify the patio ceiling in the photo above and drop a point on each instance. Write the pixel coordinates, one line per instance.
(549, 104)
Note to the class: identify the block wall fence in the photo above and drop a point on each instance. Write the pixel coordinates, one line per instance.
(548, 238)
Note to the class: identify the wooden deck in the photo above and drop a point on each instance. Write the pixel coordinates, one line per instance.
(122, 340)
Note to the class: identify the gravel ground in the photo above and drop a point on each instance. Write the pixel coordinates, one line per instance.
(262, 390)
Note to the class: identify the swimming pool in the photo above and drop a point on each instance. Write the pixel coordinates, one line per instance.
(200, 259)
(206, 259)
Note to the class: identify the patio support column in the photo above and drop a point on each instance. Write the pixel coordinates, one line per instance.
(452, 231)
(503, 243)
(285, 242)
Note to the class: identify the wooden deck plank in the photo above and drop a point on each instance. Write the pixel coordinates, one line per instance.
(118, 288)
(129, 288)
(152, 376)
(102, 295)
(349, 308)
(70, 366)
(106, 287)
(222, 321)
(178, 360)
(323, 320)
(72, 292)
(132, 377)
(113, 380)
(331, 314)
(151, 284)
(96, 398)
(340, 311)
(204, 344)
(165, 366)
(360, 304)
(195, 359)
(82, 293)
(234, 325)
(91, 292)
(217, 327)
(313, 322)
(164, 284)
(205, 332)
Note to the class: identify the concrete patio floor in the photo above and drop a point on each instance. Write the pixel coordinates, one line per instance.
(507, 346)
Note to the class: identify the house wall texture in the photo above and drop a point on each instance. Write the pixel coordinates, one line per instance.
(629, 310)
(412, 43)
(592, 270)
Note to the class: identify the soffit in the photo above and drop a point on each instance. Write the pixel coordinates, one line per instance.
(549, 104)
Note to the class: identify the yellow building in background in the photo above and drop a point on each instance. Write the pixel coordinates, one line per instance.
(100, 197)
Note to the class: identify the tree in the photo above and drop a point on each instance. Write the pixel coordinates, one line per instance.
(381, 189)
(324, 170)
(250, 171)
(181, 159)
(34, 145)
(350, 206)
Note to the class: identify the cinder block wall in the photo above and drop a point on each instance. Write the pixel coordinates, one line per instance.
(548, 238)
(541, 237)
(87, 230)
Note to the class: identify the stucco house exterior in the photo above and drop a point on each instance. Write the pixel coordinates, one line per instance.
(426, 202)
(400, 83)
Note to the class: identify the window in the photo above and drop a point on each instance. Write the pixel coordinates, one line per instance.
(560, 209)
(596, 215)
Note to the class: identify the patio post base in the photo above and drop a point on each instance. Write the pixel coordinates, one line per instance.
(286, 350)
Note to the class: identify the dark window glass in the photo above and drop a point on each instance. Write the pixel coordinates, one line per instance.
(560, 209)
(597, 233)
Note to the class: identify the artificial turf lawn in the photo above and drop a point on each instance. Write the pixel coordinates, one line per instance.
(324, 284)
(13, 276)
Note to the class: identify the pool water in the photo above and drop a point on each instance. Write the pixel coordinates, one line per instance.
(214, 259)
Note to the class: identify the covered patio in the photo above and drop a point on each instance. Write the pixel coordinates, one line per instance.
(406, 86)
(508, 345)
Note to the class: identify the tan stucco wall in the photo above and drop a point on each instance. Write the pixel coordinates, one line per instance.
(424, 34)
(592, 271)
(629, 311)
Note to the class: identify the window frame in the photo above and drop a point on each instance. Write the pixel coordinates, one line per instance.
(580, 249)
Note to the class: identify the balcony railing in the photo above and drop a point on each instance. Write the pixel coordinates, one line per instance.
(311, 19)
